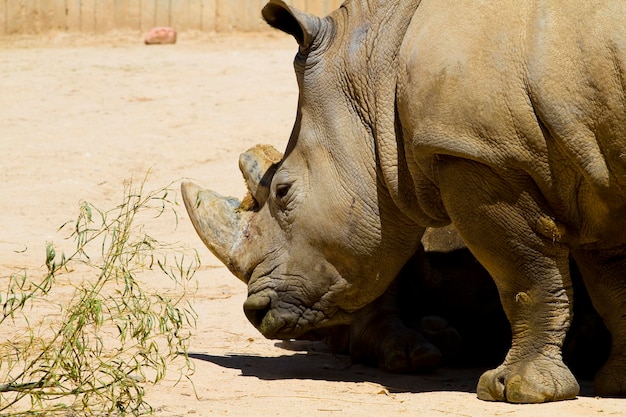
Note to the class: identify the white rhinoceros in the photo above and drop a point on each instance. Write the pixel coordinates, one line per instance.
(506, 119)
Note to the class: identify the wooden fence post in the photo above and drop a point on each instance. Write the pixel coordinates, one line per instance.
(3, 17)
(162, 15)
(88, 16)
(105, 15)
(209, 15)
(73, 8)
(15, 17)
(148, 15)
(100, 16)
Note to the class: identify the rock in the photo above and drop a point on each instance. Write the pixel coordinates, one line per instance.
(160, 35)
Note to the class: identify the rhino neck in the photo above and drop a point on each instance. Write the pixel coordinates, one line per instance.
(386, 23)
(390, 154)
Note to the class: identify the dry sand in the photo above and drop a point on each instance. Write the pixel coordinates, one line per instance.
(79, 115)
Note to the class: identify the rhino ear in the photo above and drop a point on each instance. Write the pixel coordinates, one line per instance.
(302, 26)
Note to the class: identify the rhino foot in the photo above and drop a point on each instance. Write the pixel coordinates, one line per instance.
(387, 342)
(445, 337)
(538, 380)
(611, 378)
(406, 351)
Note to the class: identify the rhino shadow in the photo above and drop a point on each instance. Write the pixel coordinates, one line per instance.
(313, 365)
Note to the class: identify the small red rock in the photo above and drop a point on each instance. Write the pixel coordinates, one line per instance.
(160, 35)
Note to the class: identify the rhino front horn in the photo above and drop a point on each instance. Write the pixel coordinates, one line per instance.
(258, 165)
(218, 222)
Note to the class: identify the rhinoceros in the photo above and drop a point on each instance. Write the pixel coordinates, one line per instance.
(506, 119)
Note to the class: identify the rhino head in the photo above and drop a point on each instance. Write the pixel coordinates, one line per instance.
(318, 236)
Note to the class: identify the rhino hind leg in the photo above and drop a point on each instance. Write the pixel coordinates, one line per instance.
(604, 276)
(387, 343)
(379, 337)
(444, 298)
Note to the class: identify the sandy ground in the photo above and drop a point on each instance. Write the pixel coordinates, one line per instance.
(79, 115)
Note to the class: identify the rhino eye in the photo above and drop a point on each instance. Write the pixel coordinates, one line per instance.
(282, 190)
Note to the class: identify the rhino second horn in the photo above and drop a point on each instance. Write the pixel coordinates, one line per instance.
(217, 221)
(258, 165)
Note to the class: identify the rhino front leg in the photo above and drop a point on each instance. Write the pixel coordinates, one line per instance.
(378, 336)
(503, 224)
(604, 278)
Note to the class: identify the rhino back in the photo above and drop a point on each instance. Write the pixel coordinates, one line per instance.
(576, 77)
(533, 87)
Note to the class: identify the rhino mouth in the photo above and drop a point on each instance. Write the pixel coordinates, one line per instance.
(259, 311)
(277, 319)
(282, 314)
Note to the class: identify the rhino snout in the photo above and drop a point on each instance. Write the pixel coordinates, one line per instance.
(258, 310)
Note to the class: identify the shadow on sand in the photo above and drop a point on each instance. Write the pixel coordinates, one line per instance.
(308, 362)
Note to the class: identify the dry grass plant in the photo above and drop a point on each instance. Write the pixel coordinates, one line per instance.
(115, 337)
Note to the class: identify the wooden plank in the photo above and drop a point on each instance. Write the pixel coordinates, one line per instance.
(32, 19)
(15, 16)
(45, 15)
(105, 16)
(209, 15)
(244, 15)
(32, 16)
(298, 4)
(148, 15)
(59, 15)
(316, 7)
(224, 16)
(257, 20)
(328, 7)
(334, 5)
(3, 17)
(119, 14)
(133, 17)
(126, 14)
(194, 15)
(179, 15)
(73, 15)
(88, 16)
(162, 15)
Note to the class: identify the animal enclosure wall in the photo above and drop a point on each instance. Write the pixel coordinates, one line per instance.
(100, 16)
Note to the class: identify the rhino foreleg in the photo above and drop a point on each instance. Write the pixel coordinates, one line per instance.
(378, 335)
(506, 231)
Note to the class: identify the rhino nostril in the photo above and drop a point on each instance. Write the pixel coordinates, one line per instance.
(256, 308)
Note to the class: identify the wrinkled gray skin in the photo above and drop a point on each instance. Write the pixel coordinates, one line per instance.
(506, 119)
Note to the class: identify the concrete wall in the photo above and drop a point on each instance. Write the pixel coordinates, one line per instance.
(100, 16)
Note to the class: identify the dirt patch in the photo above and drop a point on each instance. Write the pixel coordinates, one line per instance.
(81, 114)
